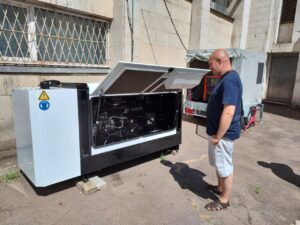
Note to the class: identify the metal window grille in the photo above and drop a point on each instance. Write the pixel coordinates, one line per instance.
(13, 33)
(33, 35)
(288, 11)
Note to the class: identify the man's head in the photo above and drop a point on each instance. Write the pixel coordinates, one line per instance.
(219, 62)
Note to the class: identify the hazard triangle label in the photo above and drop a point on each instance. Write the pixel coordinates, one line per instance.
(44, 96)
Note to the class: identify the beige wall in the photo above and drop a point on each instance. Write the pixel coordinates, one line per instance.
(285, 33)
(166, 46)
(103, 8)
(155, 40)
(199, 24)
(259, 25)
(117, 33)
(219, 32)
(237, 27)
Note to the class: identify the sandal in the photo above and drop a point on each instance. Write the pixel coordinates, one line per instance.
(214, 189)
(216, 206)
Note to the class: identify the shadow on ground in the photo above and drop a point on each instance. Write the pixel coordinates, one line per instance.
(44, 191)
(189, 178)
(283, 171)
(282, 110)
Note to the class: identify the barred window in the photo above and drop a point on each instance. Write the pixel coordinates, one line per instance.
(288, 11)
(41, 36)
(13, 39)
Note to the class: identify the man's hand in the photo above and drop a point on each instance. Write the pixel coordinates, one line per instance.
(214, 140)
(225, 121)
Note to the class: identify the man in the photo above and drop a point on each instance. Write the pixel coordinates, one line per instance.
(223, 125)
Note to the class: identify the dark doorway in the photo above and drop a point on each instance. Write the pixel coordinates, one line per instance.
(282, 77)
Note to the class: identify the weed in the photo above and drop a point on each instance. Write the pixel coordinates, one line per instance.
(204, 217)
(10, 176)
(162, 157)
(257, 189)
(195, 206)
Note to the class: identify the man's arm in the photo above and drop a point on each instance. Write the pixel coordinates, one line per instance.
(225, 121)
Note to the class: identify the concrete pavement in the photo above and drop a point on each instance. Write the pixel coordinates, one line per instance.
(150, 191)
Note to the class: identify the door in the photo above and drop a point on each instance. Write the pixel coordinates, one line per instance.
(282, 78)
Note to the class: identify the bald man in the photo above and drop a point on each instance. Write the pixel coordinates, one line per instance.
(223, 125)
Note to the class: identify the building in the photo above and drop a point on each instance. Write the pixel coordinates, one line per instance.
(79, 41)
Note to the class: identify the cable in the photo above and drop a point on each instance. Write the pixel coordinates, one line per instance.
(148, 37)
(131, 30)
(174, 25)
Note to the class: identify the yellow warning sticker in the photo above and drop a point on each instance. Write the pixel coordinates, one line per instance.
(44, 96)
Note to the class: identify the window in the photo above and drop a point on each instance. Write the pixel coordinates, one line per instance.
(220, 6)
(13, 35)
(41, 36)
(288, 11)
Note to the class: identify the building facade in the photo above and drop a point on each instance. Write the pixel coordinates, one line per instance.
(79, 41)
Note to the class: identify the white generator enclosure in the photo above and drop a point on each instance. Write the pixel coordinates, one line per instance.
(65, 130)
(249, 65)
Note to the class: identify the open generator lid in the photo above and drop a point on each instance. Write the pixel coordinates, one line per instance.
(136, 78)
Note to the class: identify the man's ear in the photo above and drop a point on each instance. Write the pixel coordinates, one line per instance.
(218, 61)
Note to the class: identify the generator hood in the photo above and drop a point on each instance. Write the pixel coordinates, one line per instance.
(137, 78)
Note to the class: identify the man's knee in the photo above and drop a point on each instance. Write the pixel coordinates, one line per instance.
(223, 173)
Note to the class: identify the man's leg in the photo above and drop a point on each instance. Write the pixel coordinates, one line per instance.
(220, 183)
(226, 184)
(223, 163)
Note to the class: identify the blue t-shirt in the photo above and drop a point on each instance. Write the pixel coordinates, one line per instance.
(228, 91)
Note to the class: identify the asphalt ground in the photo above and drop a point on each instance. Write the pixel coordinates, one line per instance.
(172, 189)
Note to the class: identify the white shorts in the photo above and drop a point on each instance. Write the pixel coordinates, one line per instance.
(220, 156)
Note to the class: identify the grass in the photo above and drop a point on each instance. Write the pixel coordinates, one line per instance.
(10, 176)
